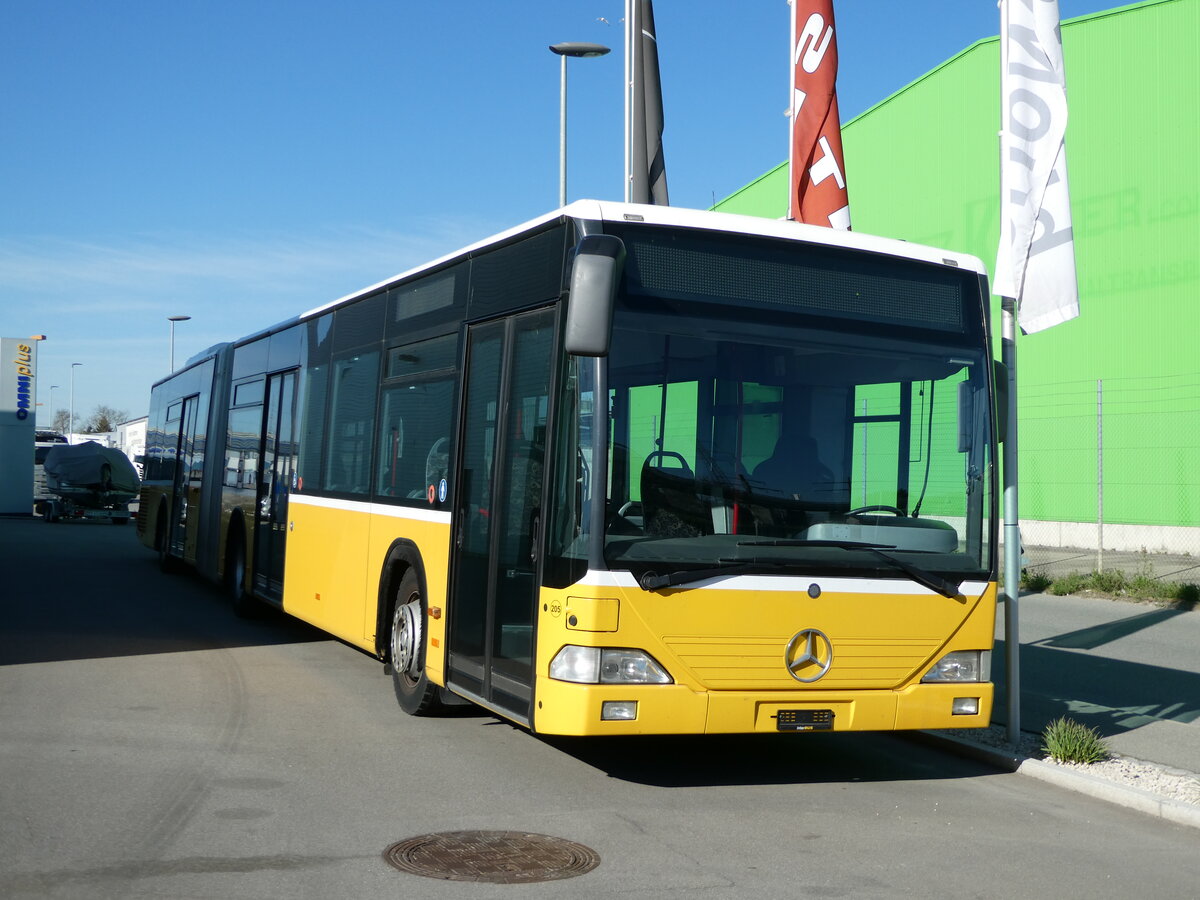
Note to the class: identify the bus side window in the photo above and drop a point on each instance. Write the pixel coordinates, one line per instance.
(355, 380)
(414, 421)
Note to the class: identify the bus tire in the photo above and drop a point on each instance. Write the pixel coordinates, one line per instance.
(415, 693)
(244, 605)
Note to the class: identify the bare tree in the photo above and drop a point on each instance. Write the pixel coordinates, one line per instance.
(61, 421)
(103, 419)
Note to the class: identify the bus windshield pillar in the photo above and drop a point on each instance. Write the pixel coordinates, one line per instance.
(598, 512)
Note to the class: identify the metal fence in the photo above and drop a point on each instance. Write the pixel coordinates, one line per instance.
(1110, 476)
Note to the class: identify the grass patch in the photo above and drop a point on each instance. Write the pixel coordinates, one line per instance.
(1038, 582)
(1068, 584)
(1142, 585)
(1065, 740)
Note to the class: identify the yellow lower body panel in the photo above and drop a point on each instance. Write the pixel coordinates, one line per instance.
(576, 709)
(928, 706)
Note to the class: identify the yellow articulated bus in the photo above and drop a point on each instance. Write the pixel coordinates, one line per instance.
(620, 470)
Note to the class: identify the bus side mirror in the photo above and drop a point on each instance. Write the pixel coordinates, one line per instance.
(1000, 377)
(595, 275)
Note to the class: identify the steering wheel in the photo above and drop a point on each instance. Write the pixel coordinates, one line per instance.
(669, 454)
(868, 509)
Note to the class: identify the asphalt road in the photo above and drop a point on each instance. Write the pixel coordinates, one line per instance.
(152, 746)
(1129, 670)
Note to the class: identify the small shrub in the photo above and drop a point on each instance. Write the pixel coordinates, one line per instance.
(1065, 740)
(1150, 588)
(1110, 582)
(1187, 595)
(1068, 584)
(1035, 581)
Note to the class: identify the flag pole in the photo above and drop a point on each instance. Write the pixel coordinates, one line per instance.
(630, 49)
(792, 212)
(639, 173)
(1008, 355)
(1012, 525)
(635, 125)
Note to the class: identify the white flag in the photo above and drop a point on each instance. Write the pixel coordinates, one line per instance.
(1035, 262)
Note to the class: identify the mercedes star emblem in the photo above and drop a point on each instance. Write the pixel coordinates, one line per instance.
(808, 650)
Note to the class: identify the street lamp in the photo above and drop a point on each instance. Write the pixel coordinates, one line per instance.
(583, 51)
(53, 388)
(71, 420)
(173, 320)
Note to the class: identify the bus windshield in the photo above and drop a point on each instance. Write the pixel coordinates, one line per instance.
(746, 437)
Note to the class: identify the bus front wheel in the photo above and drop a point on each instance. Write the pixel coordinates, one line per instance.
(415, 693)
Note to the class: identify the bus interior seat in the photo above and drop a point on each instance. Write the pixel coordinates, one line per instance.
(671, 506)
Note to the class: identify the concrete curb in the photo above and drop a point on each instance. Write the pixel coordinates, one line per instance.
(1123, 795)
(1071, 779)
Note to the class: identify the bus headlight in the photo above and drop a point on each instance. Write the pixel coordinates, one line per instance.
(607, 665)
(962, 665)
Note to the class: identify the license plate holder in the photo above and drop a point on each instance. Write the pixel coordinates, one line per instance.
(804, 720)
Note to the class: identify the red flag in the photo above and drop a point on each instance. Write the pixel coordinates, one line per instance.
(818, 179)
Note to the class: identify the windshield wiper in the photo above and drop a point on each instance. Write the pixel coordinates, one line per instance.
(651, 582)
(935, 583)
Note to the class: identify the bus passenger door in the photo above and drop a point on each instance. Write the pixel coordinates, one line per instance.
(185, 484)
(277, 463)
(498, 510)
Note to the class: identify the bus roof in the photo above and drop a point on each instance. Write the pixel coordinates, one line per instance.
(605, 211)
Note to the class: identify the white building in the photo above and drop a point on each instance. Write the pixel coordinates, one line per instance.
(130, 439)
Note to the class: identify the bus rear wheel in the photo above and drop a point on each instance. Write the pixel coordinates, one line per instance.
(244, 604)
(166, 562)
(415, 693)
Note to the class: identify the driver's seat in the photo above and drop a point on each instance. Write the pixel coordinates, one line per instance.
(793, 470)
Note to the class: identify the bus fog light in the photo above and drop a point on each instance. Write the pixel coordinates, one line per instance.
(961, 665)
(618, 710)
(965, 706)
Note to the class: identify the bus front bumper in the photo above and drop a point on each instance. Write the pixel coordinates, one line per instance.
(569, 709)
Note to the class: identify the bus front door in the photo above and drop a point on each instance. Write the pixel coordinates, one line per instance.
(277, 463)
(498, 511)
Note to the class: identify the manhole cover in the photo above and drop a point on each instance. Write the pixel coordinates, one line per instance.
(497, 857)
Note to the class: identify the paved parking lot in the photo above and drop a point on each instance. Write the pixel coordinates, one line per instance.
(154, 745)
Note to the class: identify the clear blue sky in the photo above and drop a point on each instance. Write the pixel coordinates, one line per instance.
(241, 161)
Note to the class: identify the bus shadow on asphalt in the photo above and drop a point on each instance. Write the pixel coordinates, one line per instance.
(1105, 633)
(127, 607)
(1112, 695)
(752, 759)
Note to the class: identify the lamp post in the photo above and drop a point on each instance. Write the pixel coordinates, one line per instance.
(53, 388)
(583, 51)
(71, 420)
(173, 320)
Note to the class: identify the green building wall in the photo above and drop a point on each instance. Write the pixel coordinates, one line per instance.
(1116, 391)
